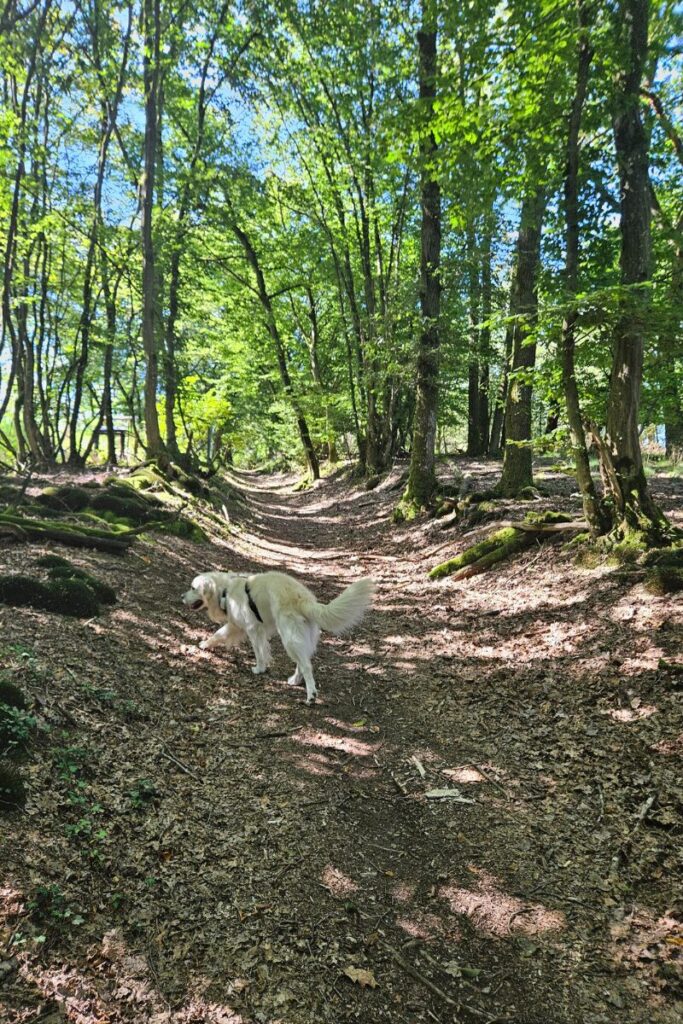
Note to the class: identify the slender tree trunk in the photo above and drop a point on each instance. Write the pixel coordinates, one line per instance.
(476, 444)
(485, 336)
(633, 504)
(517, 460)
(422, 476)
(498, 419)
(150, 298)
(591, 506)
(273, 330)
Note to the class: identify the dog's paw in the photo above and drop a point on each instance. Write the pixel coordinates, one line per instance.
(259, 669)
(295, 680)
(310, 698)
(205, 645)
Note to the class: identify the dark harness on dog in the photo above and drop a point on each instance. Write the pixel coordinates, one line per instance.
(252, 603)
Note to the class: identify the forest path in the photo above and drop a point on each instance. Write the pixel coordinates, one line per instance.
(264, 861)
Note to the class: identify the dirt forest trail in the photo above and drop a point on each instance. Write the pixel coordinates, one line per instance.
(450, 834)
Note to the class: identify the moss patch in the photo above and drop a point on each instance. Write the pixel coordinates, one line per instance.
(664, 581)
(102, 591)
(65, 596)
(53, 562)
(181, 528)
(499, 545)
(74, 499)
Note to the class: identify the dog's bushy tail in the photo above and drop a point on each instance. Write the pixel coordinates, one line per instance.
(347, 609)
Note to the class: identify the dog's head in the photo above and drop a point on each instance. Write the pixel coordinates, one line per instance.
(203, 589)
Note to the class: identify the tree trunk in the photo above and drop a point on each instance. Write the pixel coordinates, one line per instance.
(591, 507)
(422, 477)
(273, 330)
(633, 504)
(150, 300)
(485, 337)
(517, 459)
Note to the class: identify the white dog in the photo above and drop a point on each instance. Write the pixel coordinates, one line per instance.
(267, 603)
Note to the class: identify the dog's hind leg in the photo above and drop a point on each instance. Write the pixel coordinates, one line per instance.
(300, 639)
(261, 647)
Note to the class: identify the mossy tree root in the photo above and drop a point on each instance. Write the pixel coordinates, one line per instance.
(503, 543)
(71, 535)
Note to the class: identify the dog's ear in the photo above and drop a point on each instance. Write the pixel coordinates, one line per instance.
(201, 583)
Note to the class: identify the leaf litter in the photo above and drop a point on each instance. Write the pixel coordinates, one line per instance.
(198, 846)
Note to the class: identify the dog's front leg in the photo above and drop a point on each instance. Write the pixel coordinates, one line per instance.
(261, 647)
(227, 636)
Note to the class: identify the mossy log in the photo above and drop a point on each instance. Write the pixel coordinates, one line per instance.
(507, 540)
(70, 535)
(486, 553)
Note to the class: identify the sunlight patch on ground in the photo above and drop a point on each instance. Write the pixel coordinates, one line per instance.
(466, 774)
(670, 747)
(493, 912)
(423, 926)
(632, 714)
(403, 892)
(642, 939)
(337, 882)
(358, 726)
(345, 744)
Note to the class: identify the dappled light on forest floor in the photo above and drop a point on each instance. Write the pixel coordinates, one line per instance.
(120, 975)
(337, 883)
(493, 912)
(344, 744)
(632, 714)
(482, 793)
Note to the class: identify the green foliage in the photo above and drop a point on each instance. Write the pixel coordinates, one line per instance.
(142, 793)
(48, 906)
(12, 790)
(16, 723)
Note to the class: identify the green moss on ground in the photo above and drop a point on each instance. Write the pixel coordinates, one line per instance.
(73, 597)
(102, 591)
(68, 497)
(65, 596)
(180, 528)
(53, 562)
(661, 581)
